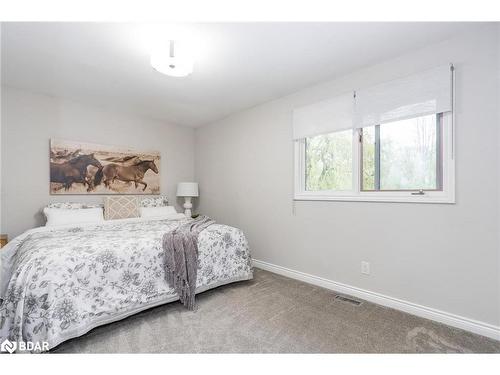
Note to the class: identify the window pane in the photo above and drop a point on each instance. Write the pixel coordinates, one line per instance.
(329, 161)
(408, 155)
(368, 166)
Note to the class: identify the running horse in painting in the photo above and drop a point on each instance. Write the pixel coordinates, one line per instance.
(74, 171)
(132, 173)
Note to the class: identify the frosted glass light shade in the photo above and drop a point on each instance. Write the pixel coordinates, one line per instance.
(172, 66)
(187, 189)
(172, 58)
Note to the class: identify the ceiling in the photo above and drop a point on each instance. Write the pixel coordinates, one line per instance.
(239, 65)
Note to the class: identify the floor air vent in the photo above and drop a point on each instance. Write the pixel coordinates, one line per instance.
(348, 300)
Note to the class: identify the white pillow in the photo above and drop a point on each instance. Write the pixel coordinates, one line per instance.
(61, 216)
(157, 211)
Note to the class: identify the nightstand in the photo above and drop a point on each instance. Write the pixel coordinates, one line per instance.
(3, 240)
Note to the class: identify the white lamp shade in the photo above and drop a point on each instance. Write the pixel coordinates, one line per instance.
(187, 189)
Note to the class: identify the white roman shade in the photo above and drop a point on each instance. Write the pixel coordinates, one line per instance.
(323, 117)
(420, 94)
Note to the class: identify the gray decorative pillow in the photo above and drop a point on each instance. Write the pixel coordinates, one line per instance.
(121, 207)
(160, 201)
(73, 205)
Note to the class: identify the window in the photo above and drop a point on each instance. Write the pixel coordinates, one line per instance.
(392, 142)
(407, 160)
(329, 161)
(402, 155)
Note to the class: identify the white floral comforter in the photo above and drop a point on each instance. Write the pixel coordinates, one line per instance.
(58, 283)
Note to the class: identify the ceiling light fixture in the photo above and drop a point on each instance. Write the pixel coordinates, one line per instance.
(172, 58)
(172, 48)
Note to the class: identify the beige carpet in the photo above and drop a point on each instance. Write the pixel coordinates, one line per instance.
(275, 314)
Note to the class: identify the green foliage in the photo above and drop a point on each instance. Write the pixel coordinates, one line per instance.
(408, 154)
(329, 161)
(408, 157)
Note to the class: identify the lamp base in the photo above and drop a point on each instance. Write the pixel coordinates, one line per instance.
(187, 206)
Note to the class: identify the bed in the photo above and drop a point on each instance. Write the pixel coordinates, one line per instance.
(59, 282)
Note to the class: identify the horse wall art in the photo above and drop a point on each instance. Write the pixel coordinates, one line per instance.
(85, 168)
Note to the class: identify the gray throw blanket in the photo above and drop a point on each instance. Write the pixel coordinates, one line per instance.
(181, 249)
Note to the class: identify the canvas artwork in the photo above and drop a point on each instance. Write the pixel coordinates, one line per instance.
(86, 168)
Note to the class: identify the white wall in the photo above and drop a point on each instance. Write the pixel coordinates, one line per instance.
(30, 120)
(440, 256)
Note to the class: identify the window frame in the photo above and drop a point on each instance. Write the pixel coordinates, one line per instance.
(446, 195)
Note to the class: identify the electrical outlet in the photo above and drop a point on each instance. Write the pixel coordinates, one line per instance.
(365, 268)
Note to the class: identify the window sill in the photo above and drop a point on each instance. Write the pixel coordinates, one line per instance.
(403, 198)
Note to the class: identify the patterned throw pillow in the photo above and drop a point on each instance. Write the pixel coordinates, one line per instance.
(121, 207)
(73, 205)
(160, 201)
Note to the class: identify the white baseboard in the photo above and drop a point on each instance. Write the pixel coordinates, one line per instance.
(453, 320)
